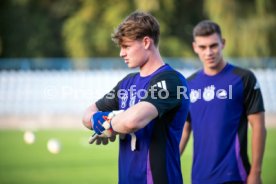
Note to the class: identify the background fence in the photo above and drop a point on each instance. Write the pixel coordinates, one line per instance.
(71, 91)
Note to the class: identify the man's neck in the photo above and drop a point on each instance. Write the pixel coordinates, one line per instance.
(154, 62)
(215, 70)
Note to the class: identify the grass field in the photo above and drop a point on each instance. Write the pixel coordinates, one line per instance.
(79, 162)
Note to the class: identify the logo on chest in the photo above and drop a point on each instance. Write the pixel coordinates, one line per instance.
(129, 97)
(210, 93)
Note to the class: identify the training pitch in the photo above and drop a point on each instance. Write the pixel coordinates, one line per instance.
(79, 162)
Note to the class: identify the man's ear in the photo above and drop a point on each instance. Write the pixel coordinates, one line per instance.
(223, 42)
(195, 47)
(147, 41)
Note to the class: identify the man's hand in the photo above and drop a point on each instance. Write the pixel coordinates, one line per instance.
(101, 123)
(254, 178)
(102, 139)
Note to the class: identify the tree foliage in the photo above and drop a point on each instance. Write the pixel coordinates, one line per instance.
(247, 26)
(30, 28)
(82, 28)
(88, 31)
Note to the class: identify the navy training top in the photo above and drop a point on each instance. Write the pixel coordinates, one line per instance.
(157, 157)
(218, 115)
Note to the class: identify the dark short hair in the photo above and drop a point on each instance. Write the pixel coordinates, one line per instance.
(206, 28)
(136, 26)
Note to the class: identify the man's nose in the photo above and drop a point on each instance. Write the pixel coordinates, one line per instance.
(209, 51)
(122, 52)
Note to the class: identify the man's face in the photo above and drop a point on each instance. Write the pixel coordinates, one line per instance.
(209, 50)
(134, 52)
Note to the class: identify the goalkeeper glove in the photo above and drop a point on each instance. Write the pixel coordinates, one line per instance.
(101, 123)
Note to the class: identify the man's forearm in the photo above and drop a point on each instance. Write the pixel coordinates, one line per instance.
(258, 147)
(134, 118)
(185, 137)
(258, 141)
(86, 119)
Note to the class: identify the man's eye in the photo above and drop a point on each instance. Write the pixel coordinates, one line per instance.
(214, 46)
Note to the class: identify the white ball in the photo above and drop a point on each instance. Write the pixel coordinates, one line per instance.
(29, 137)
(53, 146)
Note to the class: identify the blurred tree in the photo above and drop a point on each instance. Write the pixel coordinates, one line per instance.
(1, 47)
(247, 26)
(87, 32)
(82, 28)
(177, 18)
(31, 28)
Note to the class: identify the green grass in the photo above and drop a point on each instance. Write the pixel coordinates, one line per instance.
(79, 162)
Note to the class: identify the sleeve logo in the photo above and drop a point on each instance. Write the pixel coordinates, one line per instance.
(162, 84)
